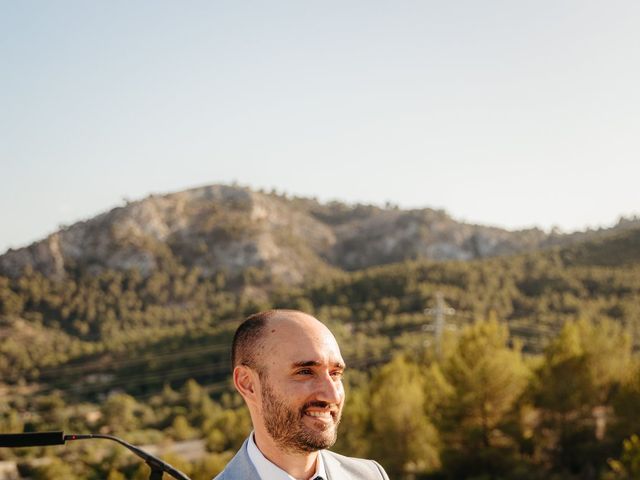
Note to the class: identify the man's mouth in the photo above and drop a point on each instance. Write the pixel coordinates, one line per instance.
(322, 411)
(323, 414)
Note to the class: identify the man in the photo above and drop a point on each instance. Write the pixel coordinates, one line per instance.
(288, 368)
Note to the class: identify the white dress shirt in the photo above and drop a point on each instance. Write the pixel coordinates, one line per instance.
(269, 471)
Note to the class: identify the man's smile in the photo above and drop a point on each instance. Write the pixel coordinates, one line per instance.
(325, 415)
(321, 411)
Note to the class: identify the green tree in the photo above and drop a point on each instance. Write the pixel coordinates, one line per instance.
(487, 377)
(625, 404)
(181, 429)
(582, 367)
(115, 475)
(53, 470)
(227, 430)
(627, 467)
(353, 437)
(403, 438)
(119, 413)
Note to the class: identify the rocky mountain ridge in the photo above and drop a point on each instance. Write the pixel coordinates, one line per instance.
(232, 229)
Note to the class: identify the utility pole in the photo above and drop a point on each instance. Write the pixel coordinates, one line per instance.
(439, 313)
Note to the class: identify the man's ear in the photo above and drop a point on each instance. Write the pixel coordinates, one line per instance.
(246, 382)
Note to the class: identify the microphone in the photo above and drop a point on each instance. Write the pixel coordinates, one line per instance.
(41, 439)
(35, 439)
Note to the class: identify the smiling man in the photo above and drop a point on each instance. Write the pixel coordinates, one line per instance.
(288, 368)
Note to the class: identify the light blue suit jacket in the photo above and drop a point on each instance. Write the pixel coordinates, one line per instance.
(337, 467)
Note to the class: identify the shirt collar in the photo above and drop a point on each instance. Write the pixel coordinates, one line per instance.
(269, 471)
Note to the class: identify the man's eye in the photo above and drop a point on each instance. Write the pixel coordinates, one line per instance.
(337, 374)
(306, 371)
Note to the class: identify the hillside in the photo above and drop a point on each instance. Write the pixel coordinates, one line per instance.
(105, 346)
(618, 249)
(238, 232)
(176, 323)
(175, 273)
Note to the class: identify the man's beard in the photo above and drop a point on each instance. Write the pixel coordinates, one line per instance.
(286, 426)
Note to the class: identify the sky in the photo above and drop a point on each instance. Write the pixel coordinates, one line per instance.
(515, 114)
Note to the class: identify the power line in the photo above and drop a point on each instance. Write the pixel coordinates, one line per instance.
(219, 347)
(438, 312)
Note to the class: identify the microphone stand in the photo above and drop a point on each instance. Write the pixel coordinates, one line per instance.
(37, 439)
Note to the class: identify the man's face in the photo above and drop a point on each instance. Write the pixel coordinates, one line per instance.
(302, 392)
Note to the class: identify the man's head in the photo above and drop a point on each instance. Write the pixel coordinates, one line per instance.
(288, 368)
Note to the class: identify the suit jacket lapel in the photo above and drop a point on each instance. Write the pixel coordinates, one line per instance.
(333, 468)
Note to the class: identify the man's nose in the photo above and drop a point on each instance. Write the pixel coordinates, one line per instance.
(330, 389)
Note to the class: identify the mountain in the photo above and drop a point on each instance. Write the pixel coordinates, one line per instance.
(238, 231)
(216, 228)
(152, 291)
(617, 249)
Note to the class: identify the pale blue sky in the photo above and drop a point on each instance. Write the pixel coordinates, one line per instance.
(507, 113)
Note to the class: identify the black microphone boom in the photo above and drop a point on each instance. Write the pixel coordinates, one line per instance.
(35, 439)
(40, 439)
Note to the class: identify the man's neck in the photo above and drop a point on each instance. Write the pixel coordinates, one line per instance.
(299, 465)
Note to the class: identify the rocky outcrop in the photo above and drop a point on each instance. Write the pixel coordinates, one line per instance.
(233, 229)
(215, 228)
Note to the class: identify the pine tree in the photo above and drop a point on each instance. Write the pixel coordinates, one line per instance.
(403, 438)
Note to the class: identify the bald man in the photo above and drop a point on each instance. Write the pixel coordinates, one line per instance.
(288, 368)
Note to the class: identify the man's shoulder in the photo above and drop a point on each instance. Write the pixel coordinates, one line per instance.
(240, 467)
(337, 466)
(359, 468)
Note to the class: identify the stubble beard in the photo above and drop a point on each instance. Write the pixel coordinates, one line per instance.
(286, 424)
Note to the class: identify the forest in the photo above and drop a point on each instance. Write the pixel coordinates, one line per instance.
(536, 374)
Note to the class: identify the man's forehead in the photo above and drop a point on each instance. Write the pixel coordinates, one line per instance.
(295, 323)
(301, 338)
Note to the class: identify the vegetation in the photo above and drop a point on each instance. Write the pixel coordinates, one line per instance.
(535, 376)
